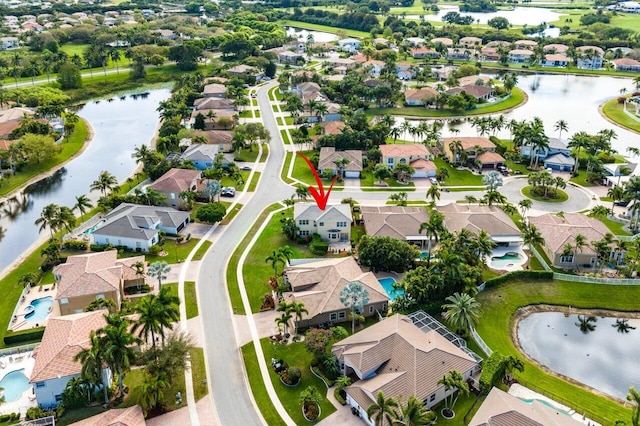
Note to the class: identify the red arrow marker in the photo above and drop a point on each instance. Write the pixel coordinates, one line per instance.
(320, 197)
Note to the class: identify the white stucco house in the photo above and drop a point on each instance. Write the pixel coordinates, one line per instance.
(349, 44)
(333, 224)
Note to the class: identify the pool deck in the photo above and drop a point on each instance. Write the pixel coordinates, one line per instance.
(10, 363)
(522, 392)
(36, 292)
(517, 265)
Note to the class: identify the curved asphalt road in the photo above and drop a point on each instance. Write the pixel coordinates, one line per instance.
(228, 386)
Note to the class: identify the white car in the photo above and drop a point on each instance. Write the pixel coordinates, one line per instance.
(433, 181)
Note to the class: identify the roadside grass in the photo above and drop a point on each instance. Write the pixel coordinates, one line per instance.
(232, 279)
(285, 168)
(367, 182)
(285, 137)
(265, 152)
(254, 182)
(302, 172)
(517, 97)
(581, 179)
(247, 155)
(69, 148)
(190, 297)
(522, 168)
(288, 121)
(133, 380)
(325, 28)
(258, 388)
(256, 271)
(458, 177)
(198, 373)
(175, 253)
(295, 354)
(499, 305)
(231, 214)
(615, 112)
(616, 228)
(465, 189)
(560, 197)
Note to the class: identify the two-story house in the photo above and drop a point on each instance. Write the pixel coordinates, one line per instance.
(475, 150)
(333, 224)
(417, 156)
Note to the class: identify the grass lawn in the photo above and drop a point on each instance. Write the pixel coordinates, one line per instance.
(325, 28)
(265, 153)
(614, 227)
(614, 111)
(232, 279)
(69, 148)
(178, 252)
(231, 214)
(499, 305)
(72, 416)
(522, 168)
(517, 97)
(534, 264)
(295, 354)
(288, 121)
(581, 179)
(254, 182)
(302, 172)
(249, 155)
(258, 388)
(285, 168)
(285, 137)
(560, 197)
(367, 181)
(255, 271)
(198, 373)
(280, 121)
(189, 296)
(458, 177)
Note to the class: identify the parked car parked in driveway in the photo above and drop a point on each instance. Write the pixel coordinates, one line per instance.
(228, 191)
(246, 168)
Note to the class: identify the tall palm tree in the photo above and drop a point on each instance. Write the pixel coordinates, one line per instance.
(281, 255)
(170, 310)
(117, 345)
(48, 217)
(578, 142)
(150, 310)
(510, 364)
(152, 390)
(283, 321)
(524, 206)
(159, 270)
(634, 398)
(93, 361)
(483, 245)
(561, 126)
(414, 413)
(383, 411)
(434, 193)
(433, 228)
(298, 308)
(531, 235)
(100, 303)
(354, 296)
(105, 182)
(462, 312)
(616, 193)
(83, 203)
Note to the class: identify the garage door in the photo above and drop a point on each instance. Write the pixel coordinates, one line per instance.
(352, 174)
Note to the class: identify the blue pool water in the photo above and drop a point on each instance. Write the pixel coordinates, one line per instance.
(14, 384)
(542, 401)
(387, 284)
(423, 255)
(507, 259)
(94, 227)
(41, 309)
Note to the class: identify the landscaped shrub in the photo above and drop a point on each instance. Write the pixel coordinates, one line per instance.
(15, 337)
(492, 369)
(291, 375)
(155, 249)
(267, 303)
(5, 418)
(15, 416)
(317, 246)
(74, 245)
(529, 275)
(337, 394)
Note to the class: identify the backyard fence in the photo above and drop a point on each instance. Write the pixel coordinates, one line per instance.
(595, 280)
(541, 258)
(25, 291)
(485, 348)
(18, 349)
(45, 421)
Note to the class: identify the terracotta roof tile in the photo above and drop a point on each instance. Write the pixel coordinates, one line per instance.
(131, 416)
(399, 150)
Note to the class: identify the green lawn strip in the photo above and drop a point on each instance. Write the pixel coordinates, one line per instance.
(231, 214)
(458, 177)
(288, 121)
(616, 228)
(258, 388)
(464, 189)
(232, 279)
(615, 112)
(198, 373)
(606, 199)
(295, 354)
(499, 305)
(265, 153)
(409, 203)
(175, 253)
(285, 168)
(522, 168)
(227, 181)
(517, 97)
(581, 179)
(285, 137)
(255, 271)
(133, 380)
(189, 296)
(246, 154)
(73, 416)
(254, 182)
(325, 28)
(367, 182)
(245, 114)
(302, 172)
(560, 197)
(69, 148)
(256, 113)
(279, 121)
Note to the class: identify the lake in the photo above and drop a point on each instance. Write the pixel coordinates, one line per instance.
(530, 16)
(119, 126)
(596, 354)
(318, 36)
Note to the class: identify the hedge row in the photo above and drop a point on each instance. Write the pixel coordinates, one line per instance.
(317, 246)
(515, 275)
(31, 335)
(492, 369)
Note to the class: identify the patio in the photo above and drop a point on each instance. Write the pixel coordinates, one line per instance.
(21, 321)
(11, 362)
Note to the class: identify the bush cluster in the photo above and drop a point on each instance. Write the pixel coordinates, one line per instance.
(515, 275)
(317, 246)
(75, 245)
(15, 337)
(492, 369)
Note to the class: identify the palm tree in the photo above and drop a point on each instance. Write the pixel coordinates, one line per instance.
(579, 141)
(634, 398)
(434, 193)
(414, 413)
(561, 126)
(48, 217)
(531, 235)
(383, 410)
(342, 382)
(510, 364)
(150, 311)
(92, 360)
(152, 390)
(117, 345)
(83, 203)
(433, 228)
(280, 255)
(455, 147)
(170, 310)
(302, 192)
(105, 182)
(451, 382)
(462, 312)
(298, 309)
(470, 199)
(616, 193)
(354, 296)
(283, 321)
(159, 270)
(524, 206)
(100, 303)
(483, 245)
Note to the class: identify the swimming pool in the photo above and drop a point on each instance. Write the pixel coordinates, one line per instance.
(387, 283)
(542, 401)
(14, 384)
(506, 260)
(39, 309)
(94, 227)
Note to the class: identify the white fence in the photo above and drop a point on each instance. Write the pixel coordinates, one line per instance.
(485, 348)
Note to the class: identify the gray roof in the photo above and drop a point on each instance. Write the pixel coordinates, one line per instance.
(560, 159)
(135, 221)
(311, 211)
(200, 151)
(555, 143)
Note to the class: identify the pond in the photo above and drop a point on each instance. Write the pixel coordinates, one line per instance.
(119, 126)
(552, 97)
(318, 36)
(600, 352)
(530, 16)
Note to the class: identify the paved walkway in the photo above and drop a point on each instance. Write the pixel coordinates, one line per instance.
(343, 415)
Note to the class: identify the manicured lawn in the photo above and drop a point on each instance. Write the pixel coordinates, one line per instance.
(517, 97)
(367, 182)
(255, 271)
(249, 155)
(232, 279)
(175, 252)
(231, 214)
(499, 305)
(614, 227)
(190, 296)
(614, 111)
(302, 172)
(458, 177)
(534, 264)
(285, 137)
(295, 354)
(265, 153)
(69, 148)
(560, 197)
(254, 182)
(258, 388)
(198, 373)
(325, 28)
(581, 179)
(285, 167)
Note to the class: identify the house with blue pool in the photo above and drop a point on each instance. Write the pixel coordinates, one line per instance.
(63, 339)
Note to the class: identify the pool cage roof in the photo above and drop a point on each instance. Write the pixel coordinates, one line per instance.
(426, 322)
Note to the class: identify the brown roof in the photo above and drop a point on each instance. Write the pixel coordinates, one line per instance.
(421, 94)
(406, 360)
(131, 416)
(6, 144)
(626, 61)
(556, 57)
(92, 273)
(393, 221)
(329, 154)
(63, 338)
(559, 48)
(333, 127)
(318, 284)
(558, 231)
(521, 52)
(214, 103)
(444, 40)
(219, 137)
(214, 88)
(489, 157)
(472, 89)
(502, 409)
(176, 180)
(7, 127)
(403, 150)
(472, 79)
(470, 142)
(475, 218)
(422, 164)
(219, 113)
(596, 49)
